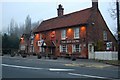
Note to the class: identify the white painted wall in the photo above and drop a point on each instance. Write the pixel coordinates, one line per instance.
(105, 55)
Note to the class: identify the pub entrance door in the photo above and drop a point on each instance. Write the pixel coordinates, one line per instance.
(91, 53)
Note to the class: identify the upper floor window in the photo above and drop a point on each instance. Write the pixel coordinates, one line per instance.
(76, 48)
(32, 37)
(104, 35)
(40, 36)
(31, 41)
(63, 34)
(76, 33)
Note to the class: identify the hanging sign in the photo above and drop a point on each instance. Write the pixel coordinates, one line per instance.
(40, 42)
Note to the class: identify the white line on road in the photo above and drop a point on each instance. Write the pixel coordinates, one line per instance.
(51, 69)
(25, 67)
(90, 76)
(20, 66)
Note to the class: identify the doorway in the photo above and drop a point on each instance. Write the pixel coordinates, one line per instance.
(91, 53)
(51, 52)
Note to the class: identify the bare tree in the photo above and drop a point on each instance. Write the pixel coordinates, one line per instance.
(28, 25)
(12, 25)
(21, 29)
(112, 10)
(113, 13)
(15, 29)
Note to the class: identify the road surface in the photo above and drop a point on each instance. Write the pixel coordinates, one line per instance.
(31, 67)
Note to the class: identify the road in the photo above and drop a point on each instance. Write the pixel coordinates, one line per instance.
(31, 67)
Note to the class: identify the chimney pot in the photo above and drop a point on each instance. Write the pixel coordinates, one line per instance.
(95, 3)
(60, 10)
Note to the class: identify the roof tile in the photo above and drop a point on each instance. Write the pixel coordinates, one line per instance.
(75, 18)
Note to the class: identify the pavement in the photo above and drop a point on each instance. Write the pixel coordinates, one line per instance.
(77, 62)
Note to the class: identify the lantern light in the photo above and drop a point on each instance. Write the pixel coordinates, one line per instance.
(83, 28)
(21, 38)
(69, 30)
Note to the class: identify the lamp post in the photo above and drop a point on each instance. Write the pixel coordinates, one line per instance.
(118, 27)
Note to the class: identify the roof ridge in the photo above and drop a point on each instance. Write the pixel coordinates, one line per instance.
(67, 14)
(74, 18)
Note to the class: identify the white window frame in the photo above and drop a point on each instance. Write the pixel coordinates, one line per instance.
(76, 33)
(61, 48)
(105, 35)
(63, 34)
(74, 48)
(32, 36)
(32, 42)
(33, 49)
(40, 36)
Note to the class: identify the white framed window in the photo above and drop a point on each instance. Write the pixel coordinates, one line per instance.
(41, 49)
(40, 36)
(63, 34)
(104, 35)
(32, 48)
(32, 36)
(31, 41)
(76, 33)
(63, 48)
(76, 48)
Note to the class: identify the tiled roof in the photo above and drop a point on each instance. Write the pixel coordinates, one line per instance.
(75, 18)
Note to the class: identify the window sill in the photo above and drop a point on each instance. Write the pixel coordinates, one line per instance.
(76, 38)
(63, 38)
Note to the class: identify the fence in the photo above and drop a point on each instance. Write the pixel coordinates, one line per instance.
(106, 55)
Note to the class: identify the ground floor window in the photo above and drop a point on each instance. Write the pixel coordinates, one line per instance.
(63, 48)
(76, 48)
(41, 49)
(32, 48)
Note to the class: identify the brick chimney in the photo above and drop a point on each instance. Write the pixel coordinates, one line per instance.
(60, 10)
(94, 3)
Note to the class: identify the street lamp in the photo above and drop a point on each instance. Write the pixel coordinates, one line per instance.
(118, 27)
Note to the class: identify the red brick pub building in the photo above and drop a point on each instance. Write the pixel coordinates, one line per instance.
(78, 33)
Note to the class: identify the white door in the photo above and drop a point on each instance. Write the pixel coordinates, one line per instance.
(91, 54)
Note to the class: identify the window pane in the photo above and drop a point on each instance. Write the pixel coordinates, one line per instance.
(104, 35)
(76, 48)
(76, 33)
(63, 34)
(64, 48)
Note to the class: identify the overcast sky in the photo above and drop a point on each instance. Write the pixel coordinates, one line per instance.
(45, 9)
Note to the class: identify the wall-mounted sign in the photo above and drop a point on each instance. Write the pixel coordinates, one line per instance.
(109, 46)
(69, 41)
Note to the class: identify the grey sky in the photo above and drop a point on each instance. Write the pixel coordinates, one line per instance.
(42, 10)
